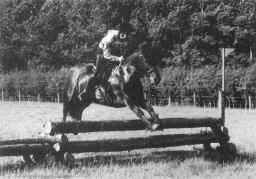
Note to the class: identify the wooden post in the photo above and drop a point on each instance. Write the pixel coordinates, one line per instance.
(194, 99)
(223, 87)
(2, 94)
(19, 95)
(219, 100)
(169, 101)
(38, 97)
(250, 102)
(58, 98)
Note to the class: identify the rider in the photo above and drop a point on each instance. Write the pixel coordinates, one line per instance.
(109, 60)
(112, 46)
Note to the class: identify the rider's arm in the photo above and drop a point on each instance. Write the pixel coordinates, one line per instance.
(105, 42)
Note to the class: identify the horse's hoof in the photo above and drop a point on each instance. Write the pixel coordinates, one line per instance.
(149, 128)
(160, 127)
(156, 127)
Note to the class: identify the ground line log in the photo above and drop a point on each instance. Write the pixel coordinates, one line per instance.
(157, 141)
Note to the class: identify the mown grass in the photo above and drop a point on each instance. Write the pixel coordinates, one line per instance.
(26, 120)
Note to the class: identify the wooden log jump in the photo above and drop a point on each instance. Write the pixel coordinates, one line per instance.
(59, 145)
(28, 141)
(158, 141)
(30, 146)
(126, 125)
(24, 149)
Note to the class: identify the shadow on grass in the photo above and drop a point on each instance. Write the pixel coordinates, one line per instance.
(246, 157)
(160, 156)
(11, 167)
(128, 158)
(125, 159)
(120, 158)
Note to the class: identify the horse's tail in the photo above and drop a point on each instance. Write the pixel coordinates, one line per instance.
(71, 83)
(77, 80)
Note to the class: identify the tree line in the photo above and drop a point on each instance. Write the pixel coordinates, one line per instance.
(39, 39)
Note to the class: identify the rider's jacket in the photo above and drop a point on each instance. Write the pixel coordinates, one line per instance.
(105, 43)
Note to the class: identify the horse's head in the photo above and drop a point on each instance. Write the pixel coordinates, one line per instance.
(136, 66)
(154, 75)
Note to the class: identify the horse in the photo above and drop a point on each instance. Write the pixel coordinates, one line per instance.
(124, 89)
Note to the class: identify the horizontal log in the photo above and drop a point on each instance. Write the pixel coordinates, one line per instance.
(125, 125)
(24, 149)
(158, 141)
(43, 140)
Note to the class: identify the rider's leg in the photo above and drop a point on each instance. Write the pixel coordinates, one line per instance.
(103, 71)
(100, 65)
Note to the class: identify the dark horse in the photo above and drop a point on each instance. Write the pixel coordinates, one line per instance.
(124, 89)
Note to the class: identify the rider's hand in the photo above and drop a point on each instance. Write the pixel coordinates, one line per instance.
(121, 59)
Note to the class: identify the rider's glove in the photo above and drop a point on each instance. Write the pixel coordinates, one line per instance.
(120, 59)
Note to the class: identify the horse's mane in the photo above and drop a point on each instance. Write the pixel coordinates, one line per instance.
(137, 60)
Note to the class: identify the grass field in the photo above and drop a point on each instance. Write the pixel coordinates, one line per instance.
(21, 120)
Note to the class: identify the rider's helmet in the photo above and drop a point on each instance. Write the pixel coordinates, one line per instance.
(125, 29)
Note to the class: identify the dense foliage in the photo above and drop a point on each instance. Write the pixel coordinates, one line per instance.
(183, 37)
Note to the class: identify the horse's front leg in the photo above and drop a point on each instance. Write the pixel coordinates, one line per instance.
(155, 118)
(119, 93)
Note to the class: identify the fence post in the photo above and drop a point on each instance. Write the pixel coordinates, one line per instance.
(219, 100)
(38, 97)
(19, 95)
(194, 99)
(58, 98)
(250, 102)
(169, 100)
(223, 88)
(2, 94)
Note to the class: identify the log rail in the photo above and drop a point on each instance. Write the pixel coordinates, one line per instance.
(53, 128)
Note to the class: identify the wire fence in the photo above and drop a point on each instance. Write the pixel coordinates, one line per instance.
(156, 100)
